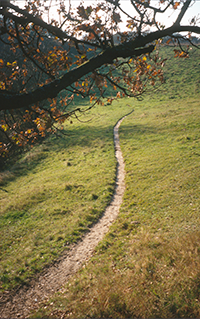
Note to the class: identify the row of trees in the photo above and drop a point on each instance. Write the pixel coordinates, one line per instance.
(48, 65)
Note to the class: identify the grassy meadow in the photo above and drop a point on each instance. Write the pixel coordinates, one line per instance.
(51, 196)
(148, 265)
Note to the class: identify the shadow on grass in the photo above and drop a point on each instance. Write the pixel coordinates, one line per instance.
(86, 136)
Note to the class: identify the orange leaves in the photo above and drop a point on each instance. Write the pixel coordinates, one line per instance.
(154, 73)
(141, 66)
(29, 131)
(91, 98)
(183, 55)
(52, 58)
(11, 65)
(176, 5)
(84, 83)
(2, 85)
(10, 74)
(180, 54)
(42, 124)
(131, 24)
(4, 127)
(141, 73)
(109, 100)
(55, 60)
(88, 32)
(15, 134)
(1, 63)
(168, 41)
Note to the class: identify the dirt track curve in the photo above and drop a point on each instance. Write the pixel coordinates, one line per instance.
(19, 305)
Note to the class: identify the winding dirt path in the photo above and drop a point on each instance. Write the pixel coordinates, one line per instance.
(52, 279)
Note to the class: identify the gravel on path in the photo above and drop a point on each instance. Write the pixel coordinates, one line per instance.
(20, 303)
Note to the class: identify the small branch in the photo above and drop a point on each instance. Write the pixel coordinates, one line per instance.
(28, 18)
(28, 56)
(135, 47)
(183, 10)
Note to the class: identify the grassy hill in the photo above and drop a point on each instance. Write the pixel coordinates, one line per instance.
(148, 264)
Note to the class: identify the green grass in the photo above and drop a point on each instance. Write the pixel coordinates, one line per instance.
(181, 74)
(51, 196)
(148, 265)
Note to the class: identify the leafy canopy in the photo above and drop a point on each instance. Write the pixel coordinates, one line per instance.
(46, 65)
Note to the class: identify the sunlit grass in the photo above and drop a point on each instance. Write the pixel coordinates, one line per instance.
(51, 196)
(148, 265)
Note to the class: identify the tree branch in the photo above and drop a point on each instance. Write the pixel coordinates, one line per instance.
(52, 89)
(28, 18)
(135, 47)
(182, 12)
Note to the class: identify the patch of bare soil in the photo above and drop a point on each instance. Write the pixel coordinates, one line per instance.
(20, 303)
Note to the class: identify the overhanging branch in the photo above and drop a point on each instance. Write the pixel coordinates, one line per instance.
(27, 18)
(135, 47)
(182, 12)
(51, 90)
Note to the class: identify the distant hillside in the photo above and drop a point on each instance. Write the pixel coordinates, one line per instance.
(181, 74)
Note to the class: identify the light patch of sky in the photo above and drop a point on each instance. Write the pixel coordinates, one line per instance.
(165, 19)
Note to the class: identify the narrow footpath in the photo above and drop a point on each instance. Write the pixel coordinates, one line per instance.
(19, 305)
